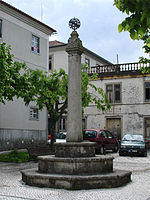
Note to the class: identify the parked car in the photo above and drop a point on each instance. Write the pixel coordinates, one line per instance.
(133, 144)
(104, 139)
(49, 139)
(60, 137)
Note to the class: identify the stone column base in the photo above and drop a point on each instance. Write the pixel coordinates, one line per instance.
(75, 149)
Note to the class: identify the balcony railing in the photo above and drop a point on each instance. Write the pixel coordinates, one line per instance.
(125, 68)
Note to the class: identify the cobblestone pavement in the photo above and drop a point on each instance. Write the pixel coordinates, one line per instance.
(12, 188)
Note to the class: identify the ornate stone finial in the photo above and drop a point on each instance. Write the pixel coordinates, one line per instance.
(74, 23)
(74, 43)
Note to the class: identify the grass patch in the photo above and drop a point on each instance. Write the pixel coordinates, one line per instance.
(15, 156)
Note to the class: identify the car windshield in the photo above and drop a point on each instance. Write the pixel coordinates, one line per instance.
(89, 134)
(133, 137)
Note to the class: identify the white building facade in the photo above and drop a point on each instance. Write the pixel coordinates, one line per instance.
(59, 57)
(20, 125)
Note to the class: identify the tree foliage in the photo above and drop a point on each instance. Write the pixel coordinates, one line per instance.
(48, 90)
(10, 76)
(138, 21)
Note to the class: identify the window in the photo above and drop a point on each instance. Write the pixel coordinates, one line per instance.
(35, 46)
(89, 134)
(62, 124)
(34, 113)
(147, 91)
(117, 93)
(103, 134)
(87, 62)
(83, 123)
(50, 62)
(109, 92)
(113, 92)
(0, 28)
(109, 135)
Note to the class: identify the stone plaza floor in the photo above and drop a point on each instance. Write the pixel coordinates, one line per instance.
(12, 187)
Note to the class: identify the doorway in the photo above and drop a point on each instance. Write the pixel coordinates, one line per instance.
(147, 130)
(114, 126)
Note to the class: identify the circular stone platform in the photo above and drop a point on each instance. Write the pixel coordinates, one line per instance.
(70, 170)
(76, 182)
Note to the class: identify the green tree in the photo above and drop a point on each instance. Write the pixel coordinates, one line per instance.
(138, 21)
(50, 90)
(10, 76)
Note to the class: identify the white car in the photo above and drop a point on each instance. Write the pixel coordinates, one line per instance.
(60, 137)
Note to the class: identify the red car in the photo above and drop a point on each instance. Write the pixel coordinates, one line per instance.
(104, 139)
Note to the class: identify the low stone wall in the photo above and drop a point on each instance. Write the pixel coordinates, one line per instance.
(75, 166)
(40, 150)
(21, 139)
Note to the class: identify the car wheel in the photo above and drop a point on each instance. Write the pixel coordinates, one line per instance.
(145, 154)
(120, 153)
(97, 151)
(115, 149)
(102, 150)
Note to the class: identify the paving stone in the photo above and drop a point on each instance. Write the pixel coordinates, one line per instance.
(12, 188)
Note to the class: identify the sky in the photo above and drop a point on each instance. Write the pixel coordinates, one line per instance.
(99, 25)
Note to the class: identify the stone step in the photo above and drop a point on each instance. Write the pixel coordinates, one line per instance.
(74, 182)
(75, 149)
(75, 166)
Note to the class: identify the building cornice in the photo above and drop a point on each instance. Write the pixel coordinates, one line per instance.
(18, 14)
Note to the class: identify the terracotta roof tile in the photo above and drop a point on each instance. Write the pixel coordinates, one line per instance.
(55, 43)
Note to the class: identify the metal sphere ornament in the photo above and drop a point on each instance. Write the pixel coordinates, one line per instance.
(74, 23)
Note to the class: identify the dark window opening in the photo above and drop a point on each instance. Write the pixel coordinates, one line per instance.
(87, 62)
(0, 28)
(113, 92)
(147, 91)
(117, 92)
(62, 124)
(50, 63)
(34, 113)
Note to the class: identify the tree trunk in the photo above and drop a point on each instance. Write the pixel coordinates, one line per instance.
(53, 130)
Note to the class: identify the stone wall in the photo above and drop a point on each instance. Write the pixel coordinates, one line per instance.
(19, 139)
(132, 110)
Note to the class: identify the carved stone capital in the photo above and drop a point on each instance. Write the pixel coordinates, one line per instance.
(74, 44)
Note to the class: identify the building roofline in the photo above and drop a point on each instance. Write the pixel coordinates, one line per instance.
(91, 52)
(94, 54)
(61, 45)
(55, 43)
(49, 29)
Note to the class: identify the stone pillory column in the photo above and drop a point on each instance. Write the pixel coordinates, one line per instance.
(74, 120)
(74, 147)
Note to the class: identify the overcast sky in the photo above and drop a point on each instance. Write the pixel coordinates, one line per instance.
(99, 25)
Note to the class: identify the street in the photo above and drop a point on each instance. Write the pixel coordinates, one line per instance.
(12, 188)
